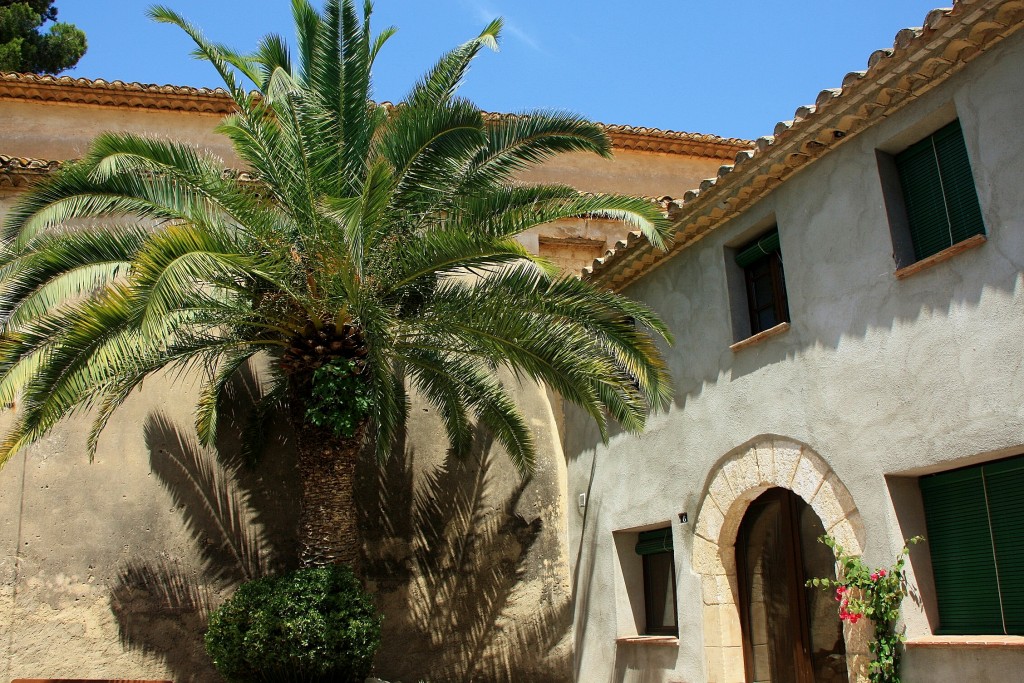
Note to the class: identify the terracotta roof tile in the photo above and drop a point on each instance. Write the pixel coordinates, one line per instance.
(920, 59)
(99, 92)
(17, 171)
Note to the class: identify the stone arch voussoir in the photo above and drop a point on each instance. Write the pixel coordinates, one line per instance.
(734, 482)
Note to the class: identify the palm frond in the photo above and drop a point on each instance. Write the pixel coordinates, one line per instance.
(451, 381)
(440, 83)
(56, 268)
(399, 225)
(207, 407)
(519, 141)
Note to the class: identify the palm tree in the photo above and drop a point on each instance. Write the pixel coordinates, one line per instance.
(364, 249)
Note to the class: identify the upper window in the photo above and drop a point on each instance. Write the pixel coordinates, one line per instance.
(655, 550)
(938, 192)
(975, 532)
(761, 261)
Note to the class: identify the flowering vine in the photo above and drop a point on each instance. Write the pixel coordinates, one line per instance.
(876, 594)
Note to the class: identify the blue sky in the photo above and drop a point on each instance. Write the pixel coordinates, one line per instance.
(729, 67)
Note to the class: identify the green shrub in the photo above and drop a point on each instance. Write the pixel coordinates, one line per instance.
(341, 398)
(313, 624)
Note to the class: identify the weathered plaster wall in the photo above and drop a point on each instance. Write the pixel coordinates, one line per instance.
(468, 561)
(58, 131)
(113, 564)
(877, 376)
(974, 664)
(109, 568)
(648, 174)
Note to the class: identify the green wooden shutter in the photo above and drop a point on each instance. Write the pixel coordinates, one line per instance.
(958, 183)
(961, 549)
(767, 244)
(1004, 484)
(657, 541)
(938, 191)
(922, 195)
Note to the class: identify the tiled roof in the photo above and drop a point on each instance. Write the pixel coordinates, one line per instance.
(98, 92)
(46, 88)
(919, 60)
(17, 171)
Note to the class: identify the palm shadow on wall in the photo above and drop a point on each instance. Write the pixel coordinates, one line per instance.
(447, 560)
(444, 555)
(241, 520)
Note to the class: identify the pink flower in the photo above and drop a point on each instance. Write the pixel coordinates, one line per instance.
(881, 572)
(874, 577)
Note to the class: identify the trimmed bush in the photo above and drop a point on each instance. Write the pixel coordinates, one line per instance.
(314, 624)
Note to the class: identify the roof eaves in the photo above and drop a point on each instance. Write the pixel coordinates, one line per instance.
(919, 60)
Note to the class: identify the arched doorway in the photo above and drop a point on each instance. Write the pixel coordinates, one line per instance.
(790, 631)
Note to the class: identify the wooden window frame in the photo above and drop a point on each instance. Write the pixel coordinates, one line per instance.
(779, 301)
(658, 629)
(651, 544)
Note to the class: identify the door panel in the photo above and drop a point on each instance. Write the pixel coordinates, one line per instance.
(791, 633)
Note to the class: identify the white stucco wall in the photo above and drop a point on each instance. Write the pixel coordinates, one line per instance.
(881, 377)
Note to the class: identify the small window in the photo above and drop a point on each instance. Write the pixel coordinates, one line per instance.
(975, 523)
(655, 550)
(939, 196)
(761, 261)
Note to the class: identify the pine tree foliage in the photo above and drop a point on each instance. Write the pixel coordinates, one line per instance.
(24, 47)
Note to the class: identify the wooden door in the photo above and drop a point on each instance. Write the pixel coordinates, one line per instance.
(791, 634)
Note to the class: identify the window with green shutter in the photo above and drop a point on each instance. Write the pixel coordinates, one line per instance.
(975, 521)
(761, 261)
(655, 550)
(938, 192)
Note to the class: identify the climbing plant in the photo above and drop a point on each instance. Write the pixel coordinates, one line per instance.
(876, 594)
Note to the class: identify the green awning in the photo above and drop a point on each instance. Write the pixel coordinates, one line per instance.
(758, 250)
(657, 541)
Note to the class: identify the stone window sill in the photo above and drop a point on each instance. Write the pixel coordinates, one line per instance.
(944, 255)
(648, 640)
(760, 337)
(1016, 642)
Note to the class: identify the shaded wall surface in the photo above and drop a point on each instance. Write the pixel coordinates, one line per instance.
(110, 568)
(884, 379)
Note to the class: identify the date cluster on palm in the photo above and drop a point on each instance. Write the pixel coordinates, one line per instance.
(316, 346)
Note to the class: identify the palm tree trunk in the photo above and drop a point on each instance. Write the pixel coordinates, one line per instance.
(328, 520)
